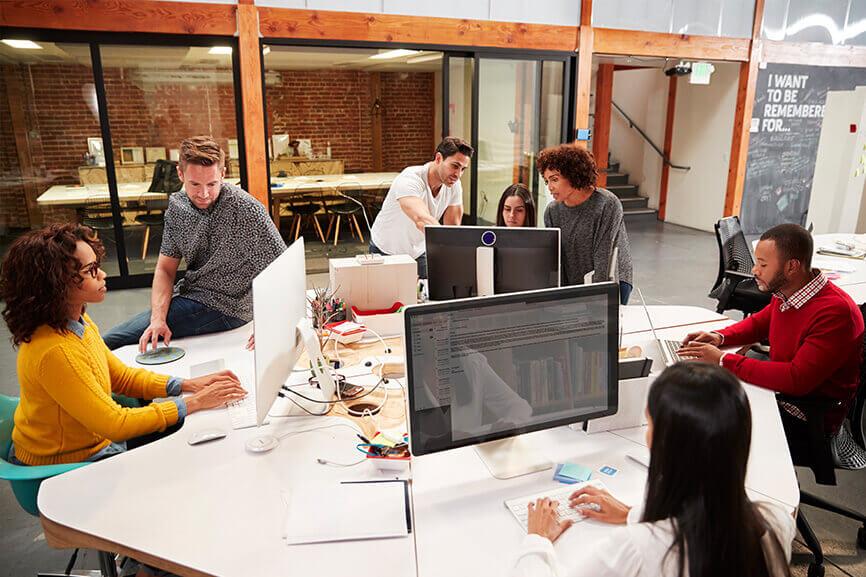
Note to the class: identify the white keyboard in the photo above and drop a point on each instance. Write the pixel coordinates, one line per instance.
(518, 506)
(243, 413)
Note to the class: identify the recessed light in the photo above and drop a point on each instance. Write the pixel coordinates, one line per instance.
(399, 53)
(22, 44)
(220, 50)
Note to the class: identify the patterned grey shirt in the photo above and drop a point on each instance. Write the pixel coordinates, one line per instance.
(225, 246)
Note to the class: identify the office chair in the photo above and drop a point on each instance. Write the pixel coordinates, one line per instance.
(347, 210)
(735, 287)
(25, 481)
(94, 216)
(300, 208)
(154, 216)
(844, 450)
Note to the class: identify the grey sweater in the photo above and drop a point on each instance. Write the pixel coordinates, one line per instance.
(588, 232)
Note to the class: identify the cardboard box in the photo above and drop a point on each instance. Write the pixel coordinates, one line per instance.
(374, 286)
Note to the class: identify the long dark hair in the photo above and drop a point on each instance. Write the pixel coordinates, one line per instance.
(36, 275)
(702, 429)
(522, 192)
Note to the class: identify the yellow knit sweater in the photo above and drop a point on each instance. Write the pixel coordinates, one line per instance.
(66, 413)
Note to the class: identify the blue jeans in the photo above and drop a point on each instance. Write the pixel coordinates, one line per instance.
(421, 260)
(185, 318)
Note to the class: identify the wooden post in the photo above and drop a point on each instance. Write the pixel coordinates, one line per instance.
(601, 125)
(743, 118)
(252, 102)
(15, 93)
(583, 85)
(668, 145)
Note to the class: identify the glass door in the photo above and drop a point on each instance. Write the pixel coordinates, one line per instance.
(509, 108)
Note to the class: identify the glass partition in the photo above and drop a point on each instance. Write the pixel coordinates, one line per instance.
(50, 135)
(157, 96)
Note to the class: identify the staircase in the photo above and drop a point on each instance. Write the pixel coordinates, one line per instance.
(634, 206)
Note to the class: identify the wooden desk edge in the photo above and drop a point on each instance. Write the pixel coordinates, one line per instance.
(61, 537)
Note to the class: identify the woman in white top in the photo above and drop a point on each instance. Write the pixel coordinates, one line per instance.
(696, 520)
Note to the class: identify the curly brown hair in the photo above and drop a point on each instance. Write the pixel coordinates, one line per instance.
(36, 275)
(574, 163)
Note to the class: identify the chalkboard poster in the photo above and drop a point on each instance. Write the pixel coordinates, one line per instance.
(783, 145)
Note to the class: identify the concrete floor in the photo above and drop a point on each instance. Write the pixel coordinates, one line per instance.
(673, 265)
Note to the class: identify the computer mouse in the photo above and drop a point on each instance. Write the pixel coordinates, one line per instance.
(205, 435)
(262, 444)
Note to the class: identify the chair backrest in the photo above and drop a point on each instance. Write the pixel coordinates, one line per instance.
(7, 414)
(735, 252)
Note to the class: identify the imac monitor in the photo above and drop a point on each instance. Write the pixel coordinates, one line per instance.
(467, 261)
(283, 331)
(493, 368)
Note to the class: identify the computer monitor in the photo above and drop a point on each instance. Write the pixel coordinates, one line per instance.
(492, 368)
(283, 331)
(467, 261)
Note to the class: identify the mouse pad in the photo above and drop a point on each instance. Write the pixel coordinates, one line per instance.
(160, 356)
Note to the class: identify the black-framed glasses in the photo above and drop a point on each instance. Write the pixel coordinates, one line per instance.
(92, 269)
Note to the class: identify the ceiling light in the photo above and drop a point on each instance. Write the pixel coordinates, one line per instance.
(22, 44)
(220, 50)
(399, 53)
(425, 58)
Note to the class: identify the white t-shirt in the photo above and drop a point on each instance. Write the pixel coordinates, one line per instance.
(635, 550)
(394, 232)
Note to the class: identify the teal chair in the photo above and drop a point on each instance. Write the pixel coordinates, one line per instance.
(25, 481)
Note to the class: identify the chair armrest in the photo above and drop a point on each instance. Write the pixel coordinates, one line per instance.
(10, 472)
(815, 409)
(738, 276)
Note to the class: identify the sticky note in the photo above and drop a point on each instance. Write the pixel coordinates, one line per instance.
(608, 470)
(576, 472)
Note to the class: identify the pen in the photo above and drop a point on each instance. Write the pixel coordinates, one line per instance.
(363, 438)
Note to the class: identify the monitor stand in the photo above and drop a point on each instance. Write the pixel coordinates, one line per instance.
(317, 405)
(512, 457)
(484, 271)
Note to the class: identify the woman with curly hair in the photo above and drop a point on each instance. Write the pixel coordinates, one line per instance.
(590, 219)
(516, 208)
(67, 375)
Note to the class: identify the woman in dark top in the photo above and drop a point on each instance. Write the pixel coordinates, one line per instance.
(516, 208)
(590, 219)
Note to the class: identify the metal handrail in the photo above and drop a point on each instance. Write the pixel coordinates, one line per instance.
(632, 124)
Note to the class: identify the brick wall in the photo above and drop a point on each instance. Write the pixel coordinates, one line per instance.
(326, 106)
(336, 106)
(61, 114)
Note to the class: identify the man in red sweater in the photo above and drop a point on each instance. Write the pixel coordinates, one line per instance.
(814, 328)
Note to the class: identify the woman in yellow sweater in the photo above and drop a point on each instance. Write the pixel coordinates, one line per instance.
(66, 373)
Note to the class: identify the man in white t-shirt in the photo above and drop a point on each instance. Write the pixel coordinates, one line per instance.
(419, 197)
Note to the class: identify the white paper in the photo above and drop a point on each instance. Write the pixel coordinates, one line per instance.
(346, 512)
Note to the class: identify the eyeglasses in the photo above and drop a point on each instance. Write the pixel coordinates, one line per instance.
(92, 269)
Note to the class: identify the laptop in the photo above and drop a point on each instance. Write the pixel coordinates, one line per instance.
(668, 347)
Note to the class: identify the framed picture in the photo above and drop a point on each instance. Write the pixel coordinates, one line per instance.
(154, 153)
(281, 144)
(305, 148)
(174, 154)
(233, 148)
(131, 155)
(95, 149)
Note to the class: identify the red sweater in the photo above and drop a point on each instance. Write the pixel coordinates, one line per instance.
(814, 349)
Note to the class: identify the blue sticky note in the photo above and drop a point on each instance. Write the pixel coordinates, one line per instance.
(608, 470)
(560, 479)
(577, 472)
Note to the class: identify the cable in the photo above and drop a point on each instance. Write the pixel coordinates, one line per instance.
(336, 464)
(339, 399)
(356, 430)
(381, 340)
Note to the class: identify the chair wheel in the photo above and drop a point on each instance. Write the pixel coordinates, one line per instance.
(815, 570)
(861, 537)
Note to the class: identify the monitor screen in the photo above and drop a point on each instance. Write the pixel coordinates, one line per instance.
(524, 259)
(488, 368)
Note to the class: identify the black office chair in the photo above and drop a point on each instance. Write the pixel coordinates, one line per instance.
(844, 450)
(735, 287)
(300, 208)
(347, 210)
(98, 217)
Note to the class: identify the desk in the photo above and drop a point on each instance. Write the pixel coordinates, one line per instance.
(326, 184)
(216, 510)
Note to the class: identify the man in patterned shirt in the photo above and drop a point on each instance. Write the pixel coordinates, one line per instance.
(226, 238)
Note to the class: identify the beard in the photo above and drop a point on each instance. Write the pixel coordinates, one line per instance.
(776, 283)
